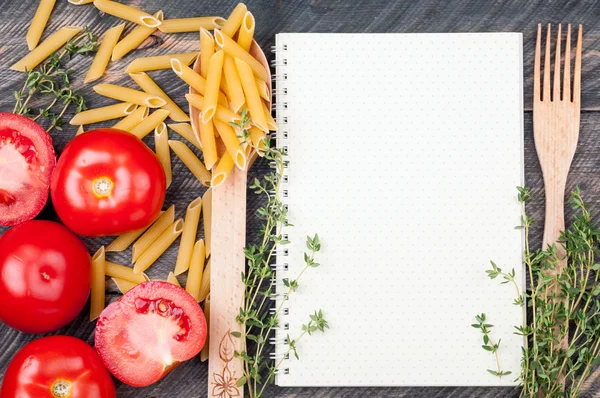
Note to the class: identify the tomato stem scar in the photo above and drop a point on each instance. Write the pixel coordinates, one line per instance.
(102, 187)
(61, 389)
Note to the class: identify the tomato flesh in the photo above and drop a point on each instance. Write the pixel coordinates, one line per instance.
(57, 367)
(152, 328)
(26, 163)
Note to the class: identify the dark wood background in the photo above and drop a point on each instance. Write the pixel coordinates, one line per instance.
(274, 16)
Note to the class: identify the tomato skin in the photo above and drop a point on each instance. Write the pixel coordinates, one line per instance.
(38, 365)
(133, 177)
(44, 276)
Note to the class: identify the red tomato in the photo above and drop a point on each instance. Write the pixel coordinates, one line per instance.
(107, 182)
(153, 327)
(44, 276)
(26, 163)
(57, 367)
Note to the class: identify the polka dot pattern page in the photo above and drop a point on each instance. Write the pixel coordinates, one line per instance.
(405, 151)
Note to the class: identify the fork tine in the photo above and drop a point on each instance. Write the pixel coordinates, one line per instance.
(567, 67)
(546, 92)
(577, 75)
(556, 91)
(537, 66)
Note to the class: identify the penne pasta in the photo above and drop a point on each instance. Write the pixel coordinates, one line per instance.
(224, 87)
(185, 130)
(149, 123)
(263, 89)
(130, 95)
(55, 41)
(205, 349)
(133, 120)
(123, 285)
(270, 121)
(148, 85)
(102, 114)
(235, 20)
(193, 79)
(232, 144)
(127, 13)
(246, 31)
(188, 237)
(162, 243)
(180, 25)
(173, 279)
(209, 144)
(207, 49)
(102, 57)
(38, 23)
(253, 101)
(98, 287)
(222, 113)
(207, 218)
(191, 161)
(161, 223)
(258, 139)
(213, 82)
(234, 50)
(80, 2)
(133, 39)
(79, 131)
(159, 62)
(122, 272)
(161, 145)
(205, 284)
(122, 242)
(194, 279)
(234, 85)
(222, 170)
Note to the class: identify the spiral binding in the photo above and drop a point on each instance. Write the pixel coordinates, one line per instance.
(280, 267)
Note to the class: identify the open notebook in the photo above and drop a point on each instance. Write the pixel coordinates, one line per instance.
(405, 151)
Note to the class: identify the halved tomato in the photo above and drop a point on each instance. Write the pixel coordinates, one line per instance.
(27, 160)
(153, 327)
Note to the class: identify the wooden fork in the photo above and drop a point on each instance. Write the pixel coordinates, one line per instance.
(556, 130)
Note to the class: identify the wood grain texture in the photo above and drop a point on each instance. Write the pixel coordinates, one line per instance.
(273, 16)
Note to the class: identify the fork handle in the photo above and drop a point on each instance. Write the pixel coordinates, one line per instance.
(555, 218)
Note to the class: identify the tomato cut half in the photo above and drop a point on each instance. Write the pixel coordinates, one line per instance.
(27, 160)
(153, 327)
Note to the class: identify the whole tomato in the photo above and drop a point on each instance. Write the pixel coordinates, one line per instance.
(107, 182)
(44, 276)
(57, 367)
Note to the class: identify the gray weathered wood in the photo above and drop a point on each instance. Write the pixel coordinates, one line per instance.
(273, 16)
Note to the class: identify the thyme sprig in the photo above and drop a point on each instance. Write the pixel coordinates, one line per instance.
(488, 343)
(51, 82)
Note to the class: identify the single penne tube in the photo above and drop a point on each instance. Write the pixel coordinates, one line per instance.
(123, 285)
(232, 48)
(133, 39)
(55, 41)
(123, 272)
(148, 85)
(206, 349)
(222, 113)
(127, 13)
(191, 161)
(129, 122)
(102, 57)
(224, 87)
(234, 20)
(205, 284)
(162, 243)
(162, 222)
(104, 113)
(185, 130)
(80, 2)
(222, 170)
(232, 144)
(207, 218)
(246, 31)
(234, 85)
(207, 49)
(38, 23)
(188, 237)
(213, 83)
(194, 278)
(150, 123)
(270, 121)
(181, 25)
(98, 287)
(253, 101)
(159, 62)
(122, 242)
(193, 79)
(161, 145)
(263, 89)
(171, 278)
(258, 139)
(79, 131)
(209, 144)
(129, 95)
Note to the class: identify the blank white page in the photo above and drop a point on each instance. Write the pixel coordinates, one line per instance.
(405, 152)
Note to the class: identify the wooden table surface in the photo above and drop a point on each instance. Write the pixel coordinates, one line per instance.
(274, 16)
